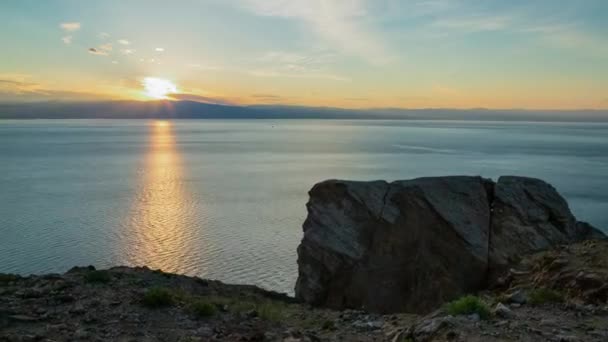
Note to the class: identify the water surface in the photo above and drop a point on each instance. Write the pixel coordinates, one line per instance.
(225, 199)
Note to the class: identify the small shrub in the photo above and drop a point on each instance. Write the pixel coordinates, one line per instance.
(203, 308)
(544, 295)
(468, 305)
(157, 297)
(97, 277)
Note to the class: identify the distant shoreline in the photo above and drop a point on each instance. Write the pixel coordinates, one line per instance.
(197, 110)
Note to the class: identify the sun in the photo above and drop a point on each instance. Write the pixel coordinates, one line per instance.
(158, 88)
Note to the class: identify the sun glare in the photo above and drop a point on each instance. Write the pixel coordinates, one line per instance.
(158, 88)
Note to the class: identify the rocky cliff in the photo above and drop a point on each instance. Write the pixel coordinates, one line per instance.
(411, 245)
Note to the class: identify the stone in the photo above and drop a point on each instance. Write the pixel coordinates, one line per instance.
(428, 328)
(503, 311)
(529, 215)
(409, 246)
(403, 246)
(368, 325)
(517, 297)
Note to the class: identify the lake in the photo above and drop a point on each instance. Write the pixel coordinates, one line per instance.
(225, 199)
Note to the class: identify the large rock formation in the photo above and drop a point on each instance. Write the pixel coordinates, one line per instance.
(529, 215)
(411, 245)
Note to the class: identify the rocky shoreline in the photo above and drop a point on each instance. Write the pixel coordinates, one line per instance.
(431, 259)
(556, 295)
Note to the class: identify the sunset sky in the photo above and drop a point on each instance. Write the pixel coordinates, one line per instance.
(358, 54)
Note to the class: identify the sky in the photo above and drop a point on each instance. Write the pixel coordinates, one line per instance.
(531, 54)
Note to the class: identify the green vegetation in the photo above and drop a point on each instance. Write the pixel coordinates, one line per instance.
(97, 277)
(157, 297)
(265, 309)
(271, 311)
(203, 308)
(543, 295)
(468, 305)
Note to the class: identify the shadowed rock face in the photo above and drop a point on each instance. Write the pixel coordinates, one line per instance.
(411, 245)
(529, 215)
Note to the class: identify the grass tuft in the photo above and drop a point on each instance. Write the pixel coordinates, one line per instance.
(97, 277)
(202, 308)
(543, 295)
(157, 297)
(270, 311)
(468, 305)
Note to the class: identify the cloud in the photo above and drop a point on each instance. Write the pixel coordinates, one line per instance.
(98, 52)
(127, 51)
(70, 26)
(342, 23)
(200, 98)
(123, 42)
(203, 67)
(103, 35)
(474, 23)
(102, 50)
(106, 47)
(288, 64)
(310, 60)
(17, 84)
(67, 40)
(159, 49)
(20, 87)
(267, 96)
(281, 74)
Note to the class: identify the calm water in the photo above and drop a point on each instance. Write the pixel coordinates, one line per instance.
(226, 199)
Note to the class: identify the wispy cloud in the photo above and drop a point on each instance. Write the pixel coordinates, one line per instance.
(22, 87)
(17, 83)
(267, 96)
(295, 65)
(127, 51)
(309, 60)
(474, 23)
(103, 35)
(70, 26)
(123, 42)
(200, 98)
(342, 23)
(67, 40)
(102, 50)
(199, 66)
(275, 73)
(98, 52)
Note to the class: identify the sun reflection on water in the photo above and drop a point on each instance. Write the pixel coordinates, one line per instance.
(160, 227)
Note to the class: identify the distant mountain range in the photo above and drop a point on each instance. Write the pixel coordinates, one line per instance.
(198, 110)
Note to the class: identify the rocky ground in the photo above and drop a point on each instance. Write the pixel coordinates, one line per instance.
(558, 295)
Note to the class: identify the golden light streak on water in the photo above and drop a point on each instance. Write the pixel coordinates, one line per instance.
(161, 235)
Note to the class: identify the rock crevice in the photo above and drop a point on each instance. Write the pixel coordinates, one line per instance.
(411, 245)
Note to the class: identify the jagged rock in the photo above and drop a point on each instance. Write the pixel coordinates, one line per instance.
(403, 246)
(412, 245)
(529, 215)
